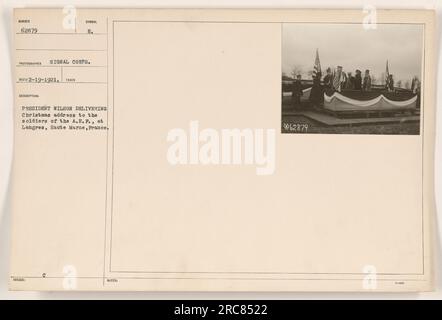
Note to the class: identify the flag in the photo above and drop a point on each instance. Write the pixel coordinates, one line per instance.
(337, 79)
(317, 66)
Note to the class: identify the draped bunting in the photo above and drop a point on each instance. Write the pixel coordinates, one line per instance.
(339, 102)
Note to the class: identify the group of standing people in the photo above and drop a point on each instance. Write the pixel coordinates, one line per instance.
(339, 80)
(334, 81)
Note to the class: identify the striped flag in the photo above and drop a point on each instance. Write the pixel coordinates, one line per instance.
(317, 66)
(387, 75)
(337, 79)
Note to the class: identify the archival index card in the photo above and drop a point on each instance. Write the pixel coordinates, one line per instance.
(223, 150)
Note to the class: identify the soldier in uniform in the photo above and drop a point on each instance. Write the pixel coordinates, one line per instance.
(296, 92)
(367, 81)
(350, 84)
(390, 83)
(358, 80)
(328, 80)
(317, 92)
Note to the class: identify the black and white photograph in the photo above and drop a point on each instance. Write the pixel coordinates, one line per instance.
(352, 78)
(220, 159)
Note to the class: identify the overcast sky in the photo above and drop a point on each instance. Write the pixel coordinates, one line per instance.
(353, 47)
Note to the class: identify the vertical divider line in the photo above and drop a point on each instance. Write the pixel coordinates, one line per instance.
(107, 150)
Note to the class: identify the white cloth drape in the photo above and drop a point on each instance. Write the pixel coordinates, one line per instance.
(339, 102)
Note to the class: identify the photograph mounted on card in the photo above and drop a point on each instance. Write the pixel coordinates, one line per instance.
(223, 150)
(352, 79)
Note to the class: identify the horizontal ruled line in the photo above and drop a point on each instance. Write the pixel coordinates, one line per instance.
(60, 82)
(63, 34)
(58, 66)
(52, 49)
